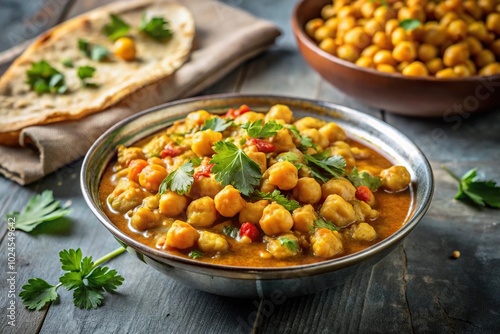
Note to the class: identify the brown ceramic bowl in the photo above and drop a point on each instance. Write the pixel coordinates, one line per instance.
(395, 93)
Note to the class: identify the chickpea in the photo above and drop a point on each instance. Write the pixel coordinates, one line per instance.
(415, 69)
(252, 212)
(457, 30)
(284, 175)
(471, 7)
(429, 10)
(391, 25)
(446, 73)
(279, 250)
(484, 58)
(332, 23)
(229, 202)
(324, 32)
(490, 69)
(493, 23)
(486, 5)
(343, 149)
(260, 159)
(333, 132)
(339, 186)
(371, 27)
(357, 38)
(181, 235)
(197, 118)
(266, 186)
(370, 51)
(282, 141)
(447, 19)
(386, 68)
(365, 62)
(143, 219)
(124, 48)
(201, 212)
(367, 9)
(205, 186)
(478, 30)
(434, 65)
(404, 51)
(395, 178)
(328, 45)
(172, 204)
(307, 191)
(317, 137)
(346, 24)
(456, 54)
(303, 218)
(363, 210)
(435, 35)
(203, 141)
(313, 25)
(348, 52)
(474, 45)
(495, 48)
(426, 52)
(275, 219)
(279, 112)
(382, 40)
(327, 12)
(210, 242)
(400, 67)
(412, 12)
(384, 57)
(471, 66)
(383, 14)
(326, 244)
(399, 35)
(440, 11)
(346, 11)
(151, 176)
(363, 232)
(250, 116)
(462, 71)
(338, 210)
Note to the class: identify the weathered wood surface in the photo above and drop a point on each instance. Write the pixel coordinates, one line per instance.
(416, 289)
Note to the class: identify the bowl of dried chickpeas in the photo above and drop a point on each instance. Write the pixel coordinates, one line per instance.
(411, 57)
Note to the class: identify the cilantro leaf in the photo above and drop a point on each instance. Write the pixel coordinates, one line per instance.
(70, 259)
(233, 166)
(217, 124)
(196, 161)
(364, 179)
(156, 27)
(305, 142)
(231, 231)
(291, 157)
(87, 298)
(180, 180)
(71, 280)
(323, 166)
(116, 28)
(37, 293)
(482, 193)
(102, 277)
(410, 24)
(68, 63)
(259, 129)
(276, 196)
(291, 244)
(85, 72)
(93, 51)
(195, 254)
(323, 223)
(43, 78)
(40, 208)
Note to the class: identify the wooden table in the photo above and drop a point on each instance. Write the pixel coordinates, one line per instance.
(417, 288)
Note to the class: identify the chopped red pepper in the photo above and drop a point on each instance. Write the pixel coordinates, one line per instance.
(262, 145)
(233, 113)
(249, 230)
(171, 151)
(203, 171)
(363, 193)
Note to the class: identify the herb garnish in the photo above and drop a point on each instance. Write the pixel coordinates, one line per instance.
(292, 245)
(324, 166)
(84, 276)
(116, 28)
(305, 142)
(40, 208)
(68, 63)
(217, 124)
(84, 73)
(323, 223)
(93, 51)
(43, 78)
(410, 24)
(195, 254)
(231, 231)
(180, 180)
(259, 130)
(156, 27)
(482, 193)
(276, 196)
(233, 166)
(364, 179)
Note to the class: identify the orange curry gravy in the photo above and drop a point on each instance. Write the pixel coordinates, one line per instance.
(393, 208)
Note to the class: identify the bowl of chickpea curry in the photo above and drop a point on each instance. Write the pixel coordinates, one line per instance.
(411, 57)
(243, 195)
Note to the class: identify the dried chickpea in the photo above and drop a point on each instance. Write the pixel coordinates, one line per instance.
(323, 32)
(435, 35)
(346, 11)
(490, 69)
(383, 14)
(399, 35)
(384, 57)
(446, 73)
(332, 23)
(462, 71)
(413, 12)
(313, 25)
(493, 23)
(391, 25)
(478, 30)
(386, 68)
(484, 58)
(367, 9)
(382, 40)
(471, 66)
(402, 65)
(328, 45)
(434, 65)
(486, 5)
(474, 45)
(426, 52)
(448, 18)
(364, 61)
(348, 52)
(456, 54)
(371, 50)
(404, 51)
(357, 38)
(327, 12)
(124, 48)
(471, 7)
(346, 23)
(415, 69)
(495, 48)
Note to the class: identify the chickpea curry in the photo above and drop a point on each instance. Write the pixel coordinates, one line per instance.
(255, 189)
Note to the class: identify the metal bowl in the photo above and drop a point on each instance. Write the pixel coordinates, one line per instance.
(254, 282)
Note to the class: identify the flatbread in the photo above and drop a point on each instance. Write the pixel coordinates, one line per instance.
(21, 107)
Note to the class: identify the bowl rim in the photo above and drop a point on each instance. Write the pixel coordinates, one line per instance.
(260, 272)
(300, 34)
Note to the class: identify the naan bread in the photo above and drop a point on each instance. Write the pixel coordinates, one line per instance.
(21, 107)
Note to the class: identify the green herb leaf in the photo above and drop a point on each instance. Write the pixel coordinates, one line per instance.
(292, 245)
(116, 28)
(305, 142)
(196, 161)
(40, 209)
(323, 223)
(233, 166)
(195, 254)
(95, 52)
(85, 72)
(482, 193)
(231, 231)
(43, 78)
(276, 196)
(155, 27)
(291, 157)
(410, 24)
(180, 180)
(103, 277)
(37, 293)
(324, 167)
(217, 124)
(68, 63)
(87, 298)
(70, 259)
(71, 280)
(364, 179)
(259, 129)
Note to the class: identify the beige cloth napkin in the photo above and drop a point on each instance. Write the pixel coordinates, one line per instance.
(225, 38)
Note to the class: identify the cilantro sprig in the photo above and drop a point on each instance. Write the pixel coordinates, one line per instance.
(43, 78)
(305, 142)
(156, 28)
(323, 223)
(195, 254)
(259, 129)
(40, 208)
(291, 244)
(93, 51)
(276, 196)
(84, 73)
(231, 231)
(116, 28)
(482, 193)
(179, 180)
(364, 179)
(86, 278)
(324, 166)
(217, 124)
(233, 166)
(410, 24)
